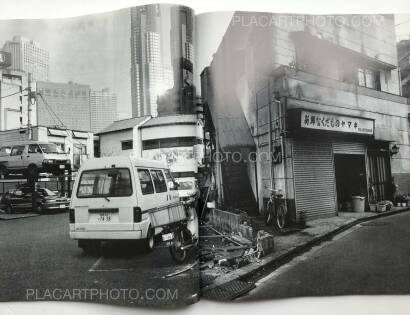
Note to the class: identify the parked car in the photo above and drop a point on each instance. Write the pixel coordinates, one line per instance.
(49, 200)
(32, 158)
(16, 200)
(187, 187)
(123, 198)
(20, 198)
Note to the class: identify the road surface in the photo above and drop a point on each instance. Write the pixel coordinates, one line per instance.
(38, 261)
(372, 258)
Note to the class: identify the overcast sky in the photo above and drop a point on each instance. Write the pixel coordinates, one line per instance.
(95, 49)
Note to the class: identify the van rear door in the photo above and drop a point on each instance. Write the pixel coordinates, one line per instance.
(105, 200)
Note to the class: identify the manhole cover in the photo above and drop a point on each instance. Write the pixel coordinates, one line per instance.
(228, 291)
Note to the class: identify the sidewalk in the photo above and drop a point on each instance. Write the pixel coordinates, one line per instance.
(229, 284)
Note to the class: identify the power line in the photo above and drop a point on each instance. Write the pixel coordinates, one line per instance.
(51, 111)
(10, 94)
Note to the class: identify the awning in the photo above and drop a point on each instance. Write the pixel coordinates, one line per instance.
(80, 135)
(306, 41)
(57, 132)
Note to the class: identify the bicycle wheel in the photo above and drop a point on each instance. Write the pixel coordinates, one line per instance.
(269, 218)
(281, 217)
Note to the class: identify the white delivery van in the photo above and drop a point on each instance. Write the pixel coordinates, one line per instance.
(123, 198)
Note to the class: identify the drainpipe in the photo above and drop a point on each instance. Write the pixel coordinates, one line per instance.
(272, 184)
(400, 87)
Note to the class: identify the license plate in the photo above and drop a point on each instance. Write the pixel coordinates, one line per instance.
(61, 166)
(62, 206)
(104, 217)
(167, 236)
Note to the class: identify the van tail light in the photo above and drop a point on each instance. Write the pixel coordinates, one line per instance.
(137, 214)
(71, 215)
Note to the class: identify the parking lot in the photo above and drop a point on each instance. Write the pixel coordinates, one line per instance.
(40, 262)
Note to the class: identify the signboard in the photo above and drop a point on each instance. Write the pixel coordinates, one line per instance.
(178, 159)
(5, 59)
(334, 122)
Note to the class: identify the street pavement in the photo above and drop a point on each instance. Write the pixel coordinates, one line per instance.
(38, 261)
(372, 258)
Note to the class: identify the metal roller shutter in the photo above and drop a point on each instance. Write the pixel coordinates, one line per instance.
(315, 191)
(349, 148)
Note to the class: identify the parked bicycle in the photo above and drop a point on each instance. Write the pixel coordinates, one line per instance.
(276, 210)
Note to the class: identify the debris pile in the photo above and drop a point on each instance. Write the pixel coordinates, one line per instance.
(223, 252)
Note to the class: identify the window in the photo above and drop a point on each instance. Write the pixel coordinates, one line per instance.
(50, 148)
(150, 144)
(5, 151)
(113, 182)
(17, 150)
(170, 180)
(34, 148)
(145, 182)
(369, 78)
(126, 145)
(169, 143)
(159, 181)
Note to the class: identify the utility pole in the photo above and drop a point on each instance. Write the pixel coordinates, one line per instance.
(29, 131)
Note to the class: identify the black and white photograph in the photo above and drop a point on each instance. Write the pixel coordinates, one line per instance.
(100, 151)
(154, 156)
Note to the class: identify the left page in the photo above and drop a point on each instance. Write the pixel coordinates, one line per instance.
(90, 158)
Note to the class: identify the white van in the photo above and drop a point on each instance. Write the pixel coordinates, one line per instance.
(122, 198)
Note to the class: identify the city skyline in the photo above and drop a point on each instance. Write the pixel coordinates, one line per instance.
(69, 42)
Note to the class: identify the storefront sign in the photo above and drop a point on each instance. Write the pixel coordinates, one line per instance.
(178, 159)
(333, 122)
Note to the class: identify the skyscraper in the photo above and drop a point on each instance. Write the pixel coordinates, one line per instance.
(146, 65)
(103, 108)
(182, 56)
(28, 56)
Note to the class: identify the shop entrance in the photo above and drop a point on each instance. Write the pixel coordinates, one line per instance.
(350, 171)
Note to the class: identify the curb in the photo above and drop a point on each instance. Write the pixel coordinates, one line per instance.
(3, 216)
(278, 259)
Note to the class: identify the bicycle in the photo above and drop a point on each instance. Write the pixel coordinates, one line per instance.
(276, 210)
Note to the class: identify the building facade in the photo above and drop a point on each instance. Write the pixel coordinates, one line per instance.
(316, 102)
(175, 140)
(182, 58)
(28, 56)
(103, 109)
(13, 100)
(63, 104)
(162, 85)
(403, 54)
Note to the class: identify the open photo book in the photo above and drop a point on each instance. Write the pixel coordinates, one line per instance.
(153, 157)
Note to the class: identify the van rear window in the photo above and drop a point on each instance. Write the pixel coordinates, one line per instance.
(113, 182)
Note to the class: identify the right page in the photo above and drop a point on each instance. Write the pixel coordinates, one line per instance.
(306, 154)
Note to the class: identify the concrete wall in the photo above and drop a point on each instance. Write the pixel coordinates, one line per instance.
(110, 143)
